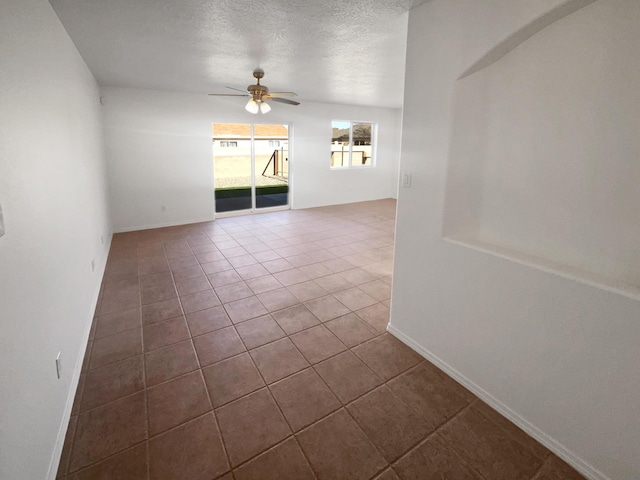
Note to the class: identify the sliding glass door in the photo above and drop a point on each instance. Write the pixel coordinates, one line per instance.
(251, 166)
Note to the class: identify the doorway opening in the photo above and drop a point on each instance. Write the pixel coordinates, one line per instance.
(250, 167)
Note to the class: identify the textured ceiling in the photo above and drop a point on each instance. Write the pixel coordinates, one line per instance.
(337, 51)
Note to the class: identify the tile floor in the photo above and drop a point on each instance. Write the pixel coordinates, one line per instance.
(254, 347)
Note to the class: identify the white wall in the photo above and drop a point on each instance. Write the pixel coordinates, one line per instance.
(160, 153)
(550, 129)
(555, 354)
(53, 194)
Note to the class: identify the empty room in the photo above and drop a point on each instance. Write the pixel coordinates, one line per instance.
(368, 239)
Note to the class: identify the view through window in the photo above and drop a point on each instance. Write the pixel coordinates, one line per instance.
(255, 172)
(352, 144)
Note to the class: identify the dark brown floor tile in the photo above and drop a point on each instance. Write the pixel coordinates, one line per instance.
(250, 425)
(192, 451)
(392, 425)
(231, 379)
(259, 331)
(157, 294)
(233, 292)
(431, 393)
(284, 461)
(79, 391)
(376, 315)
(195, 302)
(387, 356)
(327, 308)
(182, 261)
(192, 285)
(388, 474)
(204, 248)
(218, 345)
(347, 376)
(116, 347)
(152, 265)
(278, 359)
(170, 362)
(157, 312)
(433, 459)
(111, 382)
(119, 268)
(109, 429)
(263, 284)
(556, 469)
(119, 300)
(516, 433)
(117, 322)
(128, 465)
(176, 402)
(304, 398)
(295, 319)
(187, 272)
(216, 266)
(165, 333)
(244, 309)
(161, 279)
(63, 466)
(351, 330)
(317, 343)
(337, 448)
(208, 320)
(209, 257)
(490, 449)
(277, 299)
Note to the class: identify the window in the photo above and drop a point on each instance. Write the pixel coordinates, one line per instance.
(228, 143)
(274, 143)
(352, 144)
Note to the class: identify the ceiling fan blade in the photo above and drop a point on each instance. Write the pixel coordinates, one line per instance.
(228, 95)
(283, 94)
(283, 100)
(237, 89)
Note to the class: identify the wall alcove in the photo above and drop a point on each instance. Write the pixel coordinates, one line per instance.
(544, 164)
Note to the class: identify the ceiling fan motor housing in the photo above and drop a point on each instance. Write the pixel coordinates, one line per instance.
(257, 91)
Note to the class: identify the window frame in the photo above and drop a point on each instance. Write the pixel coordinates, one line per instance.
(374, 140)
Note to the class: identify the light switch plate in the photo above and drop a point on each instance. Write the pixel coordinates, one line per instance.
(1, 222)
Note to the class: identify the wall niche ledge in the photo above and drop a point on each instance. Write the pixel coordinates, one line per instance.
(569, 272)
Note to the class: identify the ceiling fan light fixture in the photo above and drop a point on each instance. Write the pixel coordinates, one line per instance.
(252, 106)
(264, 107)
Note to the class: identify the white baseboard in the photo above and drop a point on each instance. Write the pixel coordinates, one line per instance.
(64, 424)
(162, 225)
(576, 462)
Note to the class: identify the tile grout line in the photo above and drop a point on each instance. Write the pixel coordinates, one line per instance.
(206, 388)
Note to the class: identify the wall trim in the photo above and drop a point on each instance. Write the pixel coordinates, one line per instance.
(568, 456)
(164, 224)
(54, 463)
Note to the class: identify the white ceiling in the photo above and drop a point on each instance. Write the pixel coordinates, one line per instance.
(336, 51)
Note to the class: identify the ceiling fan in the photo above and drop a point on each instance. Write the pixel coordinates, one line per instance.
(259, 94)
